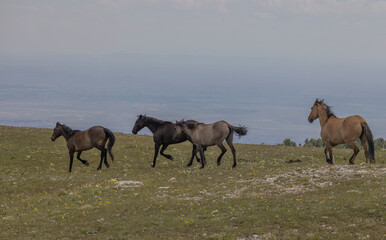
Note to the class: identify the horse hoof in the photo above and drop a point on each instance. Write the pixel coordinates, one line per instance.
(218, 163)
(87, 164)
(107, 165)
(99, 168)
(189, 165)
(201, 167)
(152, 166)
(234, 165)
(171, 158)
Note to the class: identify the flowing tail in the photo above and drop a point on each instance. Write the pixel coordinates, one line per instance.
(369, 136)
(110, 135)
(240, 130)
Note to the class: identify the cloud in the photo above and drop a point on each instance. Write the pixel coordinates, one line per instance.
(322, 7)
(219, 5)
(264, 15)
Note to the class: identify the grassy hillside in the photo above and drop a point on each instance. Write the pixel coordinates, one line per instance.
(263, 198)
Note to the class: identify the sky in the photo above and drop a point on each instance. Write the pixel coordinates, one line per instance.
(259, 63)
(345, 29)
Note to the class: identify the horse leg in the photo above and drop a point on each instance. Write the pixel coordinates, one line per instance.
(327, 156)
(356, 151)
(230, 143)
(166, 155)
(197, 158)
(105, 158)
(71, 158)
(156, 149)
(85, 162)
(103, 154)
(202, 156)
(365, 147)
(204, 149)
(223, 151)
(194, 153)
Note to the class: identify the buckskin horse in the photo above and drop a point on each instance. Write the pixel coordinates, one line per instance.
(336, 131)
(78, 141)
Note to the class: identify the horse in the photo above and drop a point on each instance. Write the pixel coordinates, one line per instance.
(78, 141)
(164, 134)
(336, 131)
(205, 135)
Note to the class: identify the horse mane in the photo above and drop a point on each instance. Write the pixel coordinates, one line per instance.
(154, 121)
(68, 130)
(191, 123)
(329, 112)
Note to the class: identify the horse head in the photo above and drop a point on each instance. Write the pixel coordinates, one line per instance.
(57, 131)
(314, 114)
(139, 124)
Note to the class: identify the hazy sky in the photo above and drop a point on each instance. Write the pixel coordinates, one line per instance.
(261, 63)
(346, 29)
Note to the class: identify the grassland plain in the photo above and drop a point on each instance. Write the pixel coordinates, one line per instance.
(263, 198)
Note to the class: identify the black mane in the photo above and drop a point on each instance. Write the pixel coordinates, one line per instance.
(329, 112)
(68, 130)
(154, 121)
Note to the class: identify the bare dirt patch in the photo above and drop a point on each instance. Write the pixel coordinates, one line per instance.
(303, 180)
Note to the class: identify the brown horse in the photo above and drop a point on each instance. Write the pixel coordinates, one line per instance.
(204, 135)
(164, 134)
(342, 130)
(78, 141)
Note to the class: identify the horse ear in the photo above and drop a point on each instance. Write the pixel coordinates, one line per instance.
(58, 124)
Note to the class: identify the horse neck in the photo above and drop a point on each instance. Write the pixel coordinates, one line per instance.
(152, 127)
(322, 117)
(66, 135)
(187, 131)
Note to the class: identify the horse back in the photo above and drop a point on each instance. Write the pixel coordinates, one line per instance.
(85, 140)
(343, 130)
(168, 135)
(211, 134)
(352, 127)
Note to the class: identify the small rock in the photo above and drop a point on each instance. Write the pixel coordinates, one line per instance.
(173, 179)
(128, 184)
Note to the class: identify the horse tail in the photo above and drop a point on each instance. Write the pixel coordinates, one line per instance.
(111, 137)
(240, 130)
(369, 137)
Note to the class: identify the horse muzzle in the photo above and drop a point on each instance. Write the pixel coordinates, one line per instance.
(53, 139)
(310, 120)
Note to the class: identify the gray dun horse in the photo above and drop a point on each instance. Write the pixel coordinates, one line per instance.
(342, 130)
(204, 135)
(78, 141)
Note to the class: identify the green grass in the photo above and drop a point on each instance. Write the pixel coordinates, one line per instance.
(263, 198)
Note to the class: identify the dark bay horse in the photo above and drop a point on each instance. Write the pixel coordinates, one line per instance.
(204, 135)
(342, 130)
(78, 141)
(164, 134)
